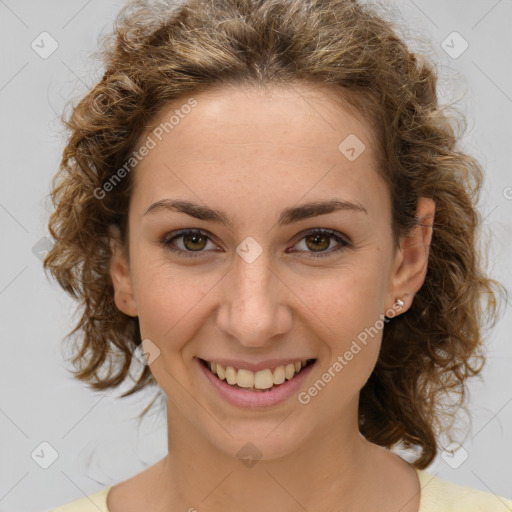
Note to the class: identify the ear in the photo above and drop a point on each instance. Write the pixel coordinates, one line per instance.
(119, 270)
(411, 261)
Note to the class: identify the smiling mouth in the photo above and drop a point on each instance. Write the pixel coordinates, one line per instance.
(263, 380)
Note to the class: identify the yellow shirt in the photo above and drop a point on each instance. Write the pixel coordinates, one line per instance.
(437, 495)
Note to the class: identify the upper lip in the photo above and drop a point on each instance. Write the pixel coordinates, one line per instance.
(261, 365)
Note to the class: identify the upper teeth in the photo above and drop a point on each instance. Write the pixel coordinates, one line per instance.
(263, 379)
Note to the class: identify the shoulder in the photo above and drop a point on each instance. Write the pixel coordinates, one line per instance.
(438, 495)
(96, 502)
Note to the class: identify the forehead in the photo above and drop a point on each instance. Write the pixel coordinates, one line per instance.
(275, 145)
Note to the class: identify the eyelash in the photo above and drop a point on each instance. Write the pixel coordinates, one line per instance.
(166, 242)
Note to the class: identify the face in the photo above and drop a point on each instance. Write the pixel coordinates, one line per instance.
(278, 249)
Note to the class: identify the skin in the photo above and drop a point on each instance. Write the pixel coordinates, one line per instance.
(252, 154)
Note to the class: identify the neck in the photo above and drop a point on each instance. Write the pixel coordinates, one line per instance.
(328, 470)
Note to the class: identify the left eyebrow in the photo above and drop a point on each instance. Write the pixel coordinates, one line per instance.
(287, 216)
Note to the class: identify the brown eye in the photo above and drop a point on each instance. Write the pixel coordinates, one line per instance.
(194, 241)
(318, 242)
(188, 243)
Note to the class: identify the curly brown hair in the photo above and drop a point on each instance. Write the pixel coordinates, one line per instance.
(161, 52)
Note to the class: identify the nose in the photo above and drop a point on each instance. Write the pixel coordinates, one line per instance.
(254, 308)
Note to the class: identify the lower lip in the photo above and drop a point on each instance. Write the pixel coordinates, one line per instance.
(243, 398)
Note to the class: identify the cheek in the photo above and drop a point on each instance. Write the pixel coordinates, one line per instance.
(349, 336)
(346, 297)
(167, 300)
(345, 311)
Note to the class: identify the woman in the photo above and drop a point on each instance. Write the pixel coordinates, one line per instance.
(265, 199)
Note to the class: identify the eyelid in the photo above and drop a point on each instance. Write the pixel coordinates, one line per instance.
(324, 231)
(342, 239)
(166, 241)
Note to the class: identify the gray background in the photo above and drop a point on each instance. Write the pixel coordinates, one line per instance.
(95, 435)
